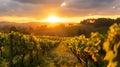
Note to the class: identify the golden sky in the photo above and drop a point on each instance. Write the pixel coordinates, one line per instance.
(65, 10)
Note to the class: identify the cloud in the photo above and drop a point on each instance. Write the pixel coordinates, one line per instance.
(41, 8)
(90, 7)
(13, 8)
(41, 1)
(85, 4)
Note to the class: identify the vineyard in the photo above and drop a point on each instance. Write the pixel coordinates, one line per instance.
(98, 50)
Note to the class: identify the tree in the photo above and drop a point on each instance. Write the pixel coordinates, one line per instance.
(13, 28)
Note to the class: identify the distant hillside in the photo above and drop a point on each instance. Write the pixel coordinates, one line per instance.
(61, 29)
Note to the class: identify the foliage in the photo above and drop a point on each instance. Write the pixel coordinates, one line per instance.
(112, 46)
(95, 50)
(98, 50)
(25, 48)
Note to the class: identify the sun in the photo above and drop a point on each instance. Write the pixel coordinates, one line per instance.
(53, 19)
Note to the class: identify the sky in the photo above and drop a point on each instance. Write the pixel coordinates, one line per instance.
(70, 10)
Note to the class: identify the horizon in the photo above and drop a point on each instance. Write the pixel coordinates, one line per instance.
(72, 20)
